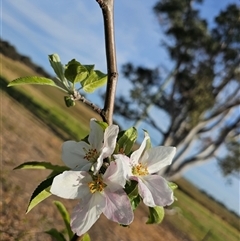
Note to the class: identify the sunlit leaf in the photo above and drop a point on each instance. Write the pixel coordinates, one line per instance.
(41, 193)
(156, 215)
(66, 218)
(56, 234)
(75, 72)
(172, 185)
(41, 165)
(32, 80)
(126, 140)
(95, 80)
(57, 66)
(86, 237)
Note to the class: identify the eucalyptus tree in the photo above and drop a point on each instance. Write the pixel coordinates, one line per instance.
(199, 92)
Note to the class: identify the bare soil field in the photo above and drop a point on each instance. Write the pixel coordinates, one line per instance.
(25, 138)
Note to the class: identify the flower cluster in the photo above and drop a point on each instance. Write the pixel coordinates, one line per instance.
(102, 173)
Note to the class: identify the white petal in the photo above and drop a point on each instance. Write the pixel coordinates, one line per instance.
(136, 155)
(118, 207)
(125, 162)
(114, 176)
(158, 157)
(71, 184)
(96, 135)
(110, 137)
(87, 212)
(73, 154)
(155, 191)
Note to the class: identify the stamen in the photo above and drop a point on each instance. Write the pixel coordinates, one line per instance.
(140, 170)
(97, 185)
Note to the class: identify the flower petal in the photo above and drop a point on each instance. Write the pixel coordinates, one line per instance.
(136, 155)
(71, 184)
(110, 137)
(87, 212)
(96, 135)
(125, 162)
(115, 176)
(73, 154)
(158, 157)
(118, 207)
(155, 191)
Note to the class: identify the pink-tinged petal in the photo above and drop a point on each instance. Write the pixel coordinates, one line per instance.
(71, 184)
(155, 191)
(118, 207)
(125, 162)
(114, 177)
(136, 155)
(158, 157)
(96, 135)
(87, 212)
(73, 154)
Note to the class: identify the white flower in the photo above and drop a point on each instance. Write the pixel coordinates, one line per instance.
(83, 156)
(143, 165)
(98, 194)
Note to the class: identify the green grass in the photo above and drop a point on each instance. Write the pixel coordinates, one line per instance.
(196, 221)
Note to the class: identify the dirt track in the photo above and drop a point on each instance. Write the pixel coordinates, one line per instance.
(25, 138)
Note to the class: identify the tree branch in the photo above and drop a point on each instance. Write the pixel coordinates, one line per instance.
(107, 11)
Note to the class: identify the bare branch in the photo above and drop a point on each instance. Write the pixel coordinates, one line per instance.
(107, 10)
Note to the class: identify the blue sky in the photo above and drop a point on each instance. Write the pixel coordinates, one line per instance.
(74, 29)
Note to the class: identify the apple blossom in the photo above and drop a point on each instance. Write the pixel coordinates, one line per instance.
(84, 156)
(142, 167)
(97, 193)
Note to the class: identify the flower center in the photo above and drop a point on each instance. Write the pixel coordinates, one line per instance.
(91, 155)
(140, 170)
(97, 185)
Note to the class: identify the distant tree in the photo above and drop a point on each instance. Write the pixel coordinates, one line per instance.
(200, 94)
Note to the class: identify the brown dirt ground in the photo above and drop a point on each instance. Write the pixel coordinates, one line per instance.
(25, 138)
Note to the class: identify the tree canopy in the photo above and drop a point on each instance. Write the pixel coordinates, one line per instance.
(198, 91)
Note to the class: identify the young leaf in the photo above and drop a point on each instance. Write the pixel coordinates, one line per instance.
(132, 189)
(172, 185)
(94, 81)
(41, 165)
(135, 202)
(86, 237)
(156, 215)
(56, 234)
(57, 66)
(75, 72)
(40, 193)
(66, 218)
(32, 80)
(69, 101)
(126, 140)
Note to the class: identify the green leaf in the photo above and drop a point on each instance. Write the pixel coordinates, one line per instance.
(57, 66)
(156, 215)
(126, 140)
(135, 202)
(86, 237)
(75, 72)
(131, 189)
(56, 234)
(95, 80)
(66, 218)
(32, 80)
(172, 185)
(103, 124)
(41, 165)
(69, 101)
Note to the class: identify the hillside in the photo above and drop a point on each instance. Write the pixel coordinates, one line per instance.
(35, 122)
